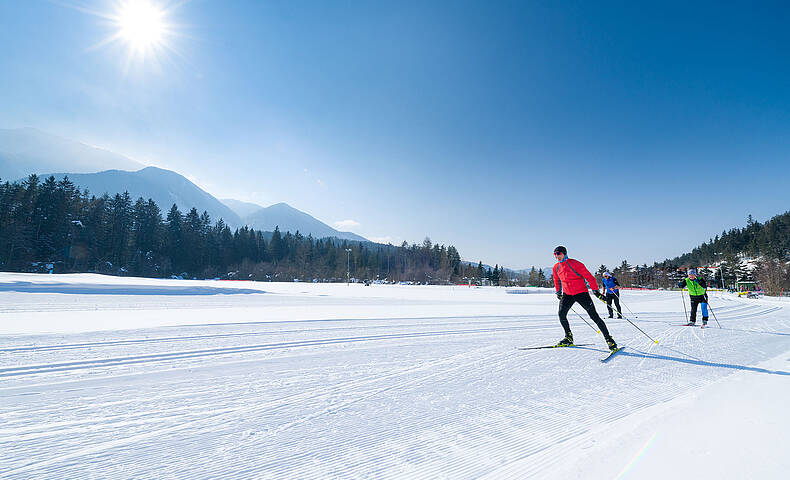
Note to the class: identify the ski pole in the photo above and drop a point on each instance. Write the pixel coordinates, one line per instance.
(635, 326)
(626, 306)
(714, 315)
(585, 321)
(684, 305)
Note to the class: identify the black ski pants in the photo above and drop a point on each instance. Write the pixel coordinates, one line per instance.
(612, 297)
(697, 300)
(586, 302)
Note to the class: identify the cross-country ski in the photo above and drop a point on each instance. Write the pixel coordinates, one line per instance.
(612, 353)
(554, 346)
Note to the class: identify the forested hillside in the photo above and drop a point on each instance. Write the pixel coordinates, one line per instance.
(756, 252)
(51, 226)
(771, 239)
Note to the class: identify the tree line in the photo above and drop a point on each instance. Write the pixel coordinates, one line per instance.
(766, 245)
(771, 240)
(757, 252)
(52, 226)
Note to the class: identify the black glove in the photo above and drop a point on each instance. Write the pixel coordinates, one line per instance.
(706, 298)
(559, 296)
(598, 294)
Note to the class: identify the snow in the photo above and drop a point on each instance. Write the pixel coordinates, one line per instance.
(107, 377)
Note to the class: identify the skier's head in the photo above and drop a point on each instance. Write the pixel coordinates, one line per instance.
(607, 274)
(560, 253)
(692, 272)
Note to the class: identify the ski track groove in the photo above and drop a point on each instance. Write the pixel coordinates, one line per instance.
(527, 436)
(38, 348)
(527, 447)
(473, 361)
(281, 465)
(214, 415)
(76, 365)
(349, 471)
(527, 452)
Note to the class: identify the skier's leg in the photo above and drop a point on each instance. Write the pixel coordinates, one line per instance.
(609, 298)
(586, 302)
(693, 316)
(565, 305)
(704, 313)
(617, 304)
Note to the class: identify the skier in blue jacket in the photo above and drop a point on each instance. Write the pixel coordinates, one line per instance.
(612, 292)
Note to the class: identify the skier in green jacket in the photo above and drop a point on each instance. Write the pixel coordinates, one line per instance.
(699, 296)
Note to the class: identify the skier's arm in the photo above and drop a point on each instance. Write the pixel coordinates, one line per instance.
(556, 278)
(588, 276)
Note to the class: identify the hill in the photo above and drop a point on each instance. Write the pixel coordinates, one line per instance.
(165, 187)
(771, 239)
(292, 220)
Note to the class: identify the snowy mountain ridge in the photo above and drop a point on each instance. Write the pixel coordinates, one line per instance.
(27, 150)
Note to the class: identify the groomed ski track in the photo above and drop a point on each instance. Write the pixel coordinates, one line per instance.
(413, 396)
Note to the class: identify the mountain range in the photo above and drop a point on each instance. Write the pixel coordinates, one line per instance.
(27, 150)
(288, 218)
(165, 187)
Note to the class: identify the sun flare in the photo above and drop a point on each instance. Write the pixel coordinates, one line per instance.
(141, 33)
(141, 24)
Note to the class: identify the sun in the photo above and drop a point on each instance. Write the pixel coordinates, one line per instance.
(141, 24)
(144, 29)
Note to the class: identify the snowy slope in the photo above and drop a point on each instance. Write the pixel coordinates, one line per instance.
(104, 377)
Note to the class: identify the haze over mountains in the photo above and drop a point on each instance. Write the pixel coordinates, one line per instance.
(27, 150)
(281, 214)
(242, 209)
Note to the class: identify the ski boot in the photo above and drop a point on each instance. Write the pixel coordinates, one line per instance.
(611, 344)
(619, 316)
(704, 321)
(567, 341)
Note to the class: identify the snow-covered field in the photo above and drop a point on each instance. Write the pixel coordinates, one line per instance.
(104, 377)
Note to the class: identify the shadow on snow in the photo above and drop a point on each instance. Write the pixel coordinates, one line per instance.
(109, 289)
(702, 363)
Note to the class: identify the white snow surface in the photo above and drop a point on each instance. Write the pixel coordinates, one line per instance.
(106, 377)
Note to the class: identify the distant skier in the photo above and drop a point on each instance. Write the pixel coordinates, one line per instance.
(571, 279)
(611, 289)
(699, 296)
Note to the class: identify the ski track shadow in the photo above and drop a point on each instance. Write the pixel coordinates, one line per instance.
(107, 289)
(701, 363)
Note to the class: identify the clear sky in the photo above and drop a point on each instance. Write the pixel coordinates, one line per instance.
(621, 130)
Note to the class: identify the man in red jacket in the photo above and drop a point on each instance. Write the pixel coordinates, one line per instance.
(571, 279)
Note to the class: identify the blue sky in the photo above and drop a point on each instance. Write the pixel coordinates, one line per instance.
(622, 131)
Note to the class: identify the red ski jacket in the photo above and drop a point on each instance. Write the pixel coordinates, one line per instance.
(572, 283)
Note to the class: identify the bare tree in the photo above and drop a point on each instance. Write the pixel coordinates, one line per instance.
(772, 275)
